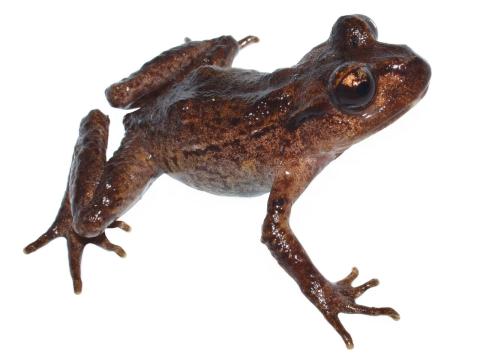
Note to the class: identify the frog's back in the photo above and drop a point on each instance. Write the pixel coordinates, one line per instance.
(217, 130)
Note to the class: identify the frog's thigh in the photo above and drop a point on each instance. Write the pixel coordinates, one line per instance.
(100, 193)
(172, 66)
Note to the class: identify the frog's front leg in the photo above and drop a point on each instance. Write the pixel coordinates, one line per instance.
(98, 192)
(330, 298)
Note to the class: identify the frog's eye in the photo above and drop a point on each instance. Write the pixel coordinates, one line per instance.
(352, 87)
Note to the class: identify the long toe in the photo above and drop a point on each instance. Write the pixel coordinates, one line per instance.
(40, 242)
(75, 251)
(362, 309)
(338, 326)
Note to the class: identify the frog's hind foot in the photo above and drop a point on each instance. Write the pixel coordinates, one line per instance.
(75, 243)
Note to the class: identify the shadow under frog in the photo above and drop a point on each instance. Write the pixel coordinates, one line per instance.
(241, 132)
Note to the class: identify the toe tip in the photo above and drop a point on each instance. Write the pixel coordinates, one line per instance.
(348, 342)
(122, 253)
(394, 315)
(124, 226)
(28, 249)
(77, 287)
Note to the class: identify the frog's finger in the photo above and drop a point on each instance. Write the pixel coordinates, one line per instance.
(364, 287)
(362, 309)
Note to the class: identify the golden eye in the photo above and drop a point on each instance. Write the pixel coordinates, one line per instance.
(352, 87)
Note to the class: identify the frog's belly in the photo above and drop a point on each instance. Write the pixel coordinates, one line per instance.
(226, 178)
(240, 165)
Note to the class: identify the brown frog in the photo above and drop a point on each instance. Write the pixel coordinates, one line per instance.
(241, 132)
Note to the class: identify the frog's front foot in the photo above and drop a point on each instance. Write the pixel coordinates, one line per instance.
(334, 298)
(62, 226)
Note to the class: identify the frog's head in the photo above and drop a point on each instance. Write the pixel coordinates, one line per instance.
(369, 83)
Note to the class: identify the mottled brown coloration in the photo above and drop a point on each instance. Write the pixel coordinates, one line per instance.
(240, 132)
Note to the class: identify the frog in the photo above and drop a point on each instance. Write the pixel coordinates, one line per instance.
(240, 132)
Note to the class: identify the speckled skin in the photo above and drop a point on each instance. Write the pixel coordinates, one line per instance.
(241, 132)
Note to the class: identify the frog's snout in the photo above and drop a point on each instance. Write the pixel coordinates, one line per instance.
(420, 73)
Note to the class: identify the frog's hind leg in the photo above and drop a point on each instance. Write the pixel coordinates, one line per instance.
(98, 192)
(155, 76)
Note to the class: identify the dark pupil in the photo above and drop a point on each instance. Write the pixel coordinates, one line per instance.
(355, 90)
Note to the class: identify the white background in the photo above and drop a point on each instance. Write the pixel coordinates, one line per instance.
(402, 206)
